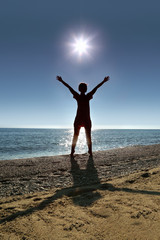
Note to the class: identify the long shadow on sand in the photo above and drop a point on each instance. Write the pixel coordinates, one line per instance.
(82, 179)
(83, 195)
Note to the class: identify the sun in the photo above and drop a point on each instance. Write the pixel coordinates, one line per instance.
(80, 46)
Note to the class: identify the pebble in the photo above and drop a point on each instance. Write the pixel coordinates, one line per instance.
(20, 177)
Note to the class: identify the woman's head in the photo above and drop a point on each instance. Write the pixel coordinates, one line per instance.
(82, 87)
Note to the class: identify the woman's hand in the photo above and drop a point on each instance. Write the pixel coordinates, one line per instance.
(106, 79)
(59, 78)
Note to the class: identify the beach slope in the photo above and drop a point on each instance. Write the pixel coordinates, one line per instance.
(113, 195)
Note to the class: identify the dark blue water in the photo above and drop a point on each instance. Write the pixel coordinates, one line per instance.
(25, 143)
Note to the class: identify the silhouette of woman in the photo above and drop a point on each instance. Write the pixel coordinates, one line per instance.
(82, 118)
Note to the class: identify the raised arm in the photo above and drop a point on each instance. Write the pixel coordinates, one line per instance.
(99, 85)
(66, 84)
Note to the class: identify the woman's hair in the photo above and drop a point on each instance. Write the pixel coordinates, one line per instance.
(82, 87)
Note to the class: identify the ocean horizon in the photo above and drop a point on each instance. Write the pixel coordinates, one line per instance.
(18, 143)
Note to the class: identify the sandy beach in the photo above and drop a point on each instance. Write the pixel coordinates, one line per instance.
(113, 195)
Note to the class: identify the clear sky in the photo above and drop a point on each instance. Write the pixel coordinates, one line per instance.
(34, 48)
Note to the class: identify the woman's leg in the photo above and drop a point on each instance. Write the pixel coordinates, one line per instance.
(89, 141)
(75, 138)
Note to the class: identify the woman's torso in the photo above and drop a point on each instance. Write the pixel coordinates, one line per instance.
(83, 110)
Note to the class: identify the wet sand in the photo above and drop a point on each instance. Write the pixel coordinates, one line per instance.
(113, 195)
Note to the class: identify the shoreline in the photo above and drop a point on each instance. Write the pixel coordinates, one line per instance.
(84, 153)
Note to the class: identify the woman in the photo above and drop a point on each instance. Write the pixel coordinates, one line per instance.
(82, 118)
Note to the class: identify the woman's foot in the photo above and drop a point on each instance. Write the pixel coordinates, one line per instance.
(72, 153)
(90, 153)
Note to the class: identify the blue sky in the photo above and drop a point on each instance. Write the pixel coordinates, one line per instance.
(33, 50)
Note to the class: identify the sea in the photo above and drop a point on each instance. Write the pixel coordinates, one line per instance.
(18, 143)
